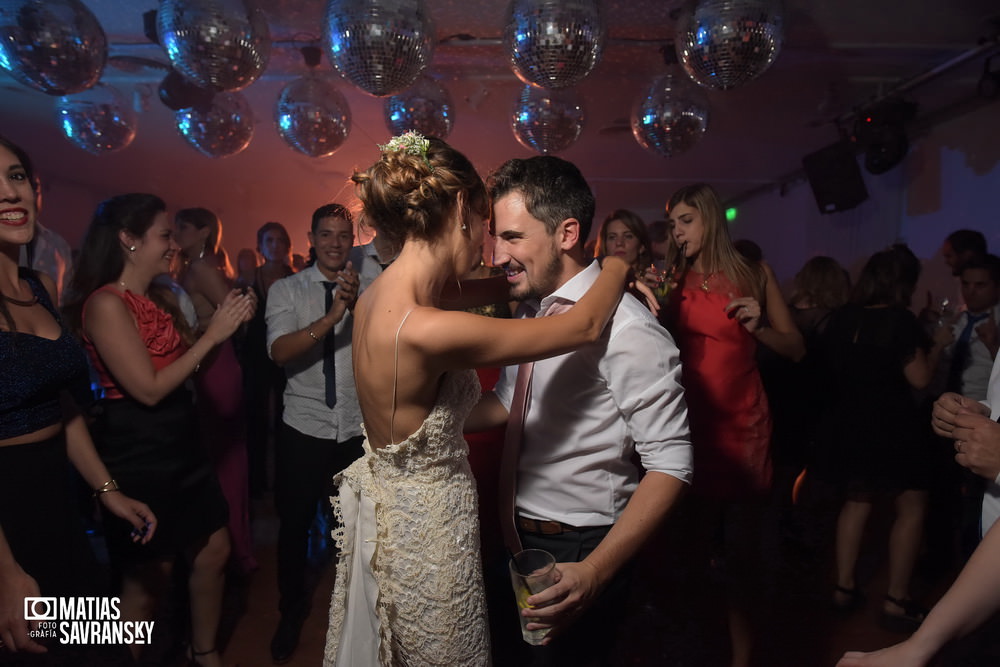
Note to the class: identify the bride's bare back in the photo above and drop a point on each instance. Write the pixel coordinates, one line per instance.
(387, 367)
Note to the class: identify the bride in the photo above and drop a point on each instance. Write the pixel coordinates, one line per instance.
(409, 587)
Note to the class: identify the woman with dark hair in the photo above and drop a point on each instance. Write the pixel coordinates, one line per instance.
(205, 274)
(43, 548)
(263, 380)
(409, 587)
(714, 314)
(871, 439)
(146, 428)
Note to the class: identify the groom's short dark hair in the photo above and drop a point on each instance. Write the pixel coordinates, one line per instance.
(553, 190)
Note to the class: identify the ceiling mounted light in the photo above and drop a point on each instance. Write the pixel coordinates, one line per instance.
(98, 120)
(554, 43)
(312, 116)
(224, 129)
(881, 131)
(215, 44)
(381, 46)
(55, 46)
(989, 83)
(670, 115)
(723, 44)
(424, 107)
(547, 121)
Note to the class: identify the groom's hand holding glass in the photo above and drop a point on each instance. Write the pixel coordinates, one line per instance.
(577, 586)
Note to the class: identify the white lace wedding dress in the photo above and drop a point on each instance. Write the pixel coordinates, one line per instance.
(409, 584)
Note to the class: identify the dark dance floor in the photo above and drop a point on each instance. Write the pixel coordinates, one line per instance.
(676, 617)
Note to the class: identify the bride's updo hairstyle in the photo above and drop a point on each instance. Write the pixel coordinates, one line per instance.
(412, 191)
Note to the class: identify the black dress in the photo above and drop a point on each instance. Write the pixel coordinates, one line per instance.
(871, 435)
(156, 455)
(38, 507)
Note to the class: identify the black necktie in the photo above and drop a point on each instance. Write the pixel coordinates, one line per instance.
(960, 351)
(329, 349)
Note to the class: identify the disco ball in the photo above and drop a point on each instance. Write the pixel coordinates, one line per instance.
(224, 129)
(425, 107)
(547, 121)
(216, 44)
(670, 116)
(55, 46)
(381, 46)
(726, 43)
(313, 116)
(98, 120)
(553, 43)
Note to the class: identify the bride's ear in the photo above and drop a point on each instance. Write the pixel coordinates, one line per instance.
(460, 210)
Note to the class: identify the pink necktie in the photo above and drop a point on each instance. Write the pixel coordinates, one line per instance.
(511, 452)
(512, 446)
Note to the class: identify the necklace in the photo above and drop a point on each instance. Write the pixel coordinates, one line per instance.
(704, 281)
(24, 303)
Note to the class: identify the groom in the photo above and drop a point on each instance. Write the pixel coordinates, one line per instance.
(578, 493)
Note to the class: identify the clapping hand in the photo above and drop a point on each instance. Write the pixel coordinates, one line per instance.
(237, 308)
(948, 407)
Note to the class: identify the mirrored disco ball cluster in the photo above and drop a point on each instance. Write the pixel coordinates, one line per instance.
(98, 120)
(223, 129)
(55, 46)
(425, 107)
(726, 43)
(312, 115)
(553, 43)
(216, 44)
(547, 121)
(381, 46)
(671, 115)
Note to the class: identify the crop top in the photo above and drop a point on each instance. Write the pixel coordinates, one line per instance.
(36, 370)
(156, 328)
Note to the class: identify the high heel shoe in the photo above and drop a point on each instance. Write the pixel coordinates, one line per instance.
(847, 599)
(908, 621)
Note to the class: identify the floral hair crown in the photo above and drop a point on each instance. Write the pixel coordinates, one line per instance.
(410, 142)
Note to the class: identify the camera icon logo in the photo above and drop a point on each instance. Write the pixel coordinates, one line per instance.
(40, 609)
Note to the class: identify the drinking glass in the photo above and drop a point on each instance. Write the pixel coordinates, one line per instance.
(531, 571)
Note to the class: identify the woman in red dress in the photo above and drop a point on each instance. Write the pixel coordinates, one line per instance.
(714, 313)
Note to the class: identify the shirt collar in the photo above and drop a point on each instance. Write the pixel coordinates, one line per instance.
(573, 289)
(314, 275)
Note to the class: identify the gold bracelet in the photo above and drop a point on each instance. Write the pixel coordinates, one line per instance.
(309, 330)
(108, 487)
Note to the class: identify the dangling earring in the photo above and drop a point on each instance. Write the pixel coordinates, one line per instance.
(463, 227)
(201, 254)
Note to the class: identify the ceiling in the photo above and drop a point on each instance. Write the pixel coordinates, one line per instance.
(836, 56)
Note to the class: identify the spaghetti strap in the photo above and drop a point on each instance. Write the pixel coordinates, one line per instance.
(395, 361)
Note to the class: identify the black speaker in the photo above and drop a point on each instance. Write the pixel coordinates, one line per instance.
(835, 177)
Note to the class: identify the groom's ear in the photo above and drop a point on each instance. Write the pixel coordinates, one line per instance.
(568, 233)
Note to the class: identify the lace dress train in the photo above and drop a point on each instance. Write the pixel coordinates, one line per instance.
(409, 584)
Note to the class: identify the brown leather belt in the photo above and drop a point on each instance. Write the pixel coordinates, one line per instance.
(539, 527)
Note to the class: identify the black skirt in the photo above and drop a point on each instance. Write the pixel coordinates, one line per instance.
(156, 456)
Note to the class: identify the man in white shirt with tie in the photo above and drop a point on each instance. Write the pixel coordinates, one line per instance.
(309, 327)
(579, 494)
